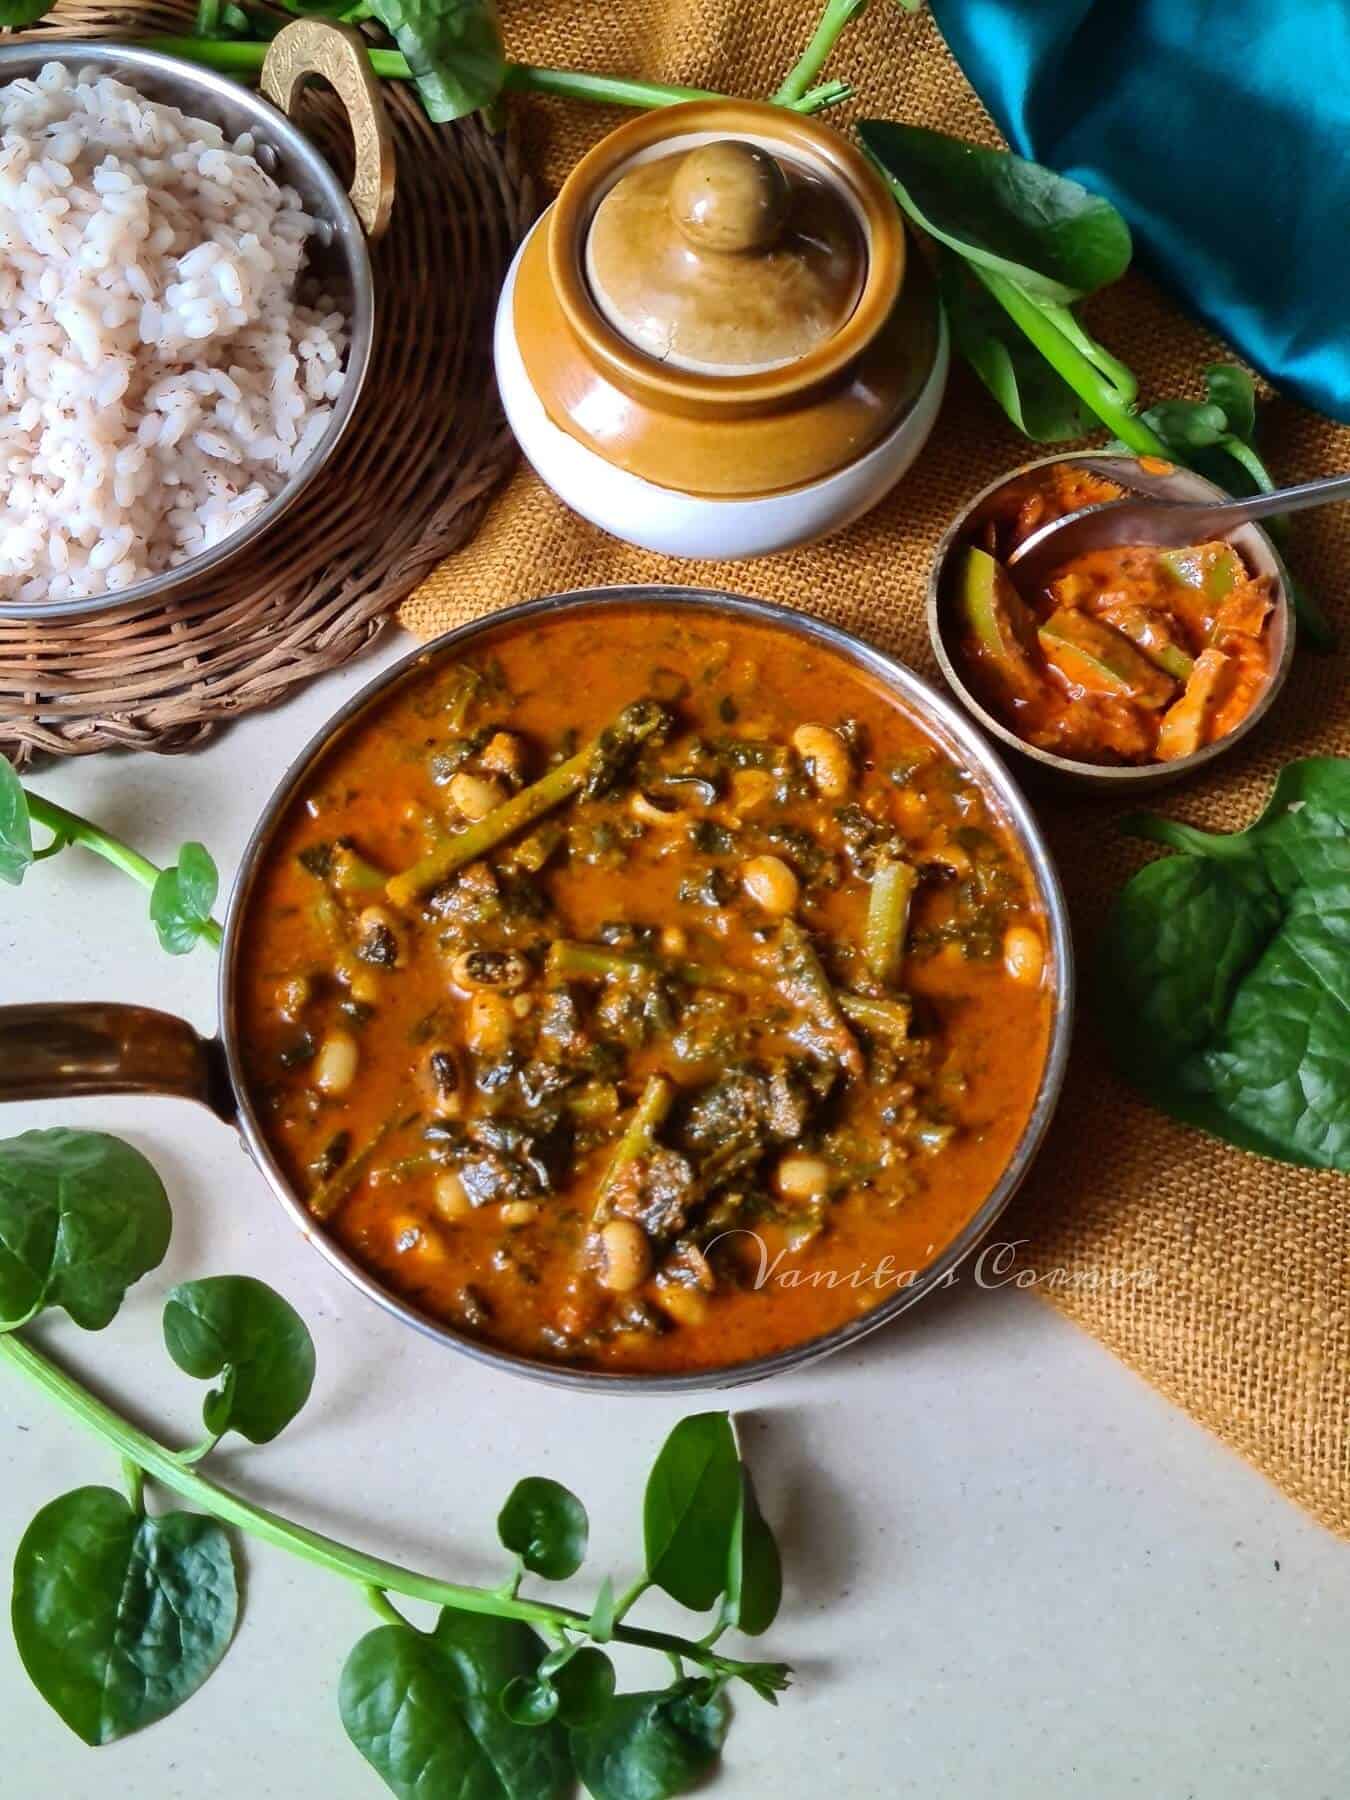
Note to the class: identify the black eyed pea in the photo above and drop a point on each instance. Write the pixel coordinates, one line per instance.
(771, 884)
(626, 1257)
(490, 971)
(379, 939)
(801, 1177)
(1023, 956)
(449, 1197)
(475, 795)
(826, 757)
(335, 1064)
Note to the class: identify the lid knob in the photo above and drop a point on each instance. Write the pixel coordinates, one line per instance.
(730, 196)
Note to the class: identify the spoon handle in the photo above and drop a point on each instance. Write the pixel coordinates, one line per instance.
(1287, 500)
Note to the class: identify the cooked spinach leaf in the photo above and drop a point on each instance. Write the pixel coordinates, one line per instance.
(82, 1217)
(1224, 984)
(120, 1618)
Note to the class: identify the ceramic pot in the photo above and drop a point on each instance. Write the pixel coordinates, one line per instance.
(705, 401)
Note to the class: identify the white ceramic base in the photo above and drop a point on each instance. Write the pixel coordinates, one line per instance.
(687, 525)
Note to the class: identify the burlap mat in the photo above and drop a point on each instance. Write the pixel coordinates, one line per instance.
(1246, 1318)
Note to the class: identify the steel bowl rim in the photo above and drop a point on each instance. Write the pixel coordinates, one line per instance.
(935, 710)
(347, 237)
(1118, 775)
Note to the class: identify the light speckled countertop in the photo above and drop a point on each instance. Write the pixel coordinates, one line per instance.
(1012, 1569)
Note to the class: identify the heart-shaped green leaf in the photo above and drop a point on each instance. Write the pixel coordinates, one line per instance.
(119, 1618)
(182, 898)
(241, 1329)
(546, 1525)
(82, 1216)
(585, 1685)
(425, 1711)
(650, 1746)
(1224, 990)
(690, 1510)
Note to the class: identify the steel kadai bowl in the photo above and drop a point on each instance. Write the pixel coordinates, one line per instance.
(338, 258)
(59, 1049)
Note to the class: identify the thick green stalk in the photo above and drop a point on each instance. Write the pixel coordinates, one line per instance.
(367, 1572)
(69, 828)
(244, 60)
(836, 16)
(1086, 380)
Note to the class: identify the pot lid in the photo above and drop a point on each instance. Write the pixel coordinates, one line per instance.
(726, 258)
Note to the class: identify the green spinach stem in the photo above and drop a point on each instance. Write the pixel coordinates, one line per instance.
(373, 1574)
(69, 828)
(836, 16)
(1082, 375)
(244, 59)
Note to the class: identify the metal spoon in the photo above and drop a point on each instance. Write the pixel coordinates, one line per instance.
(1140, 519)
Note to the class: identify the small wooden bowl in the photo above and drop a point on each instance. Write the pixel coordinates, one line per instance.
(1258, 552)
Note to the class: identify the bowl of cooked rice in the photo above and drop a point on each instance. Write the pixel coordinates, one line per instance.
(186, 312)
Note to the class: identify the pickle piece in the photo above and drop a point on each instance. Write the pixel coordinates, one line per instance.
(1096, 657)
(1151, 631)
(1246, 609)
(1184, 725)
(1213, 569)
(998, 619)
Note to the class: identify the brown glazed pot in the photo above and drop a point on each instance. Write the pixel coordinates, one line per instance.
(695, 432)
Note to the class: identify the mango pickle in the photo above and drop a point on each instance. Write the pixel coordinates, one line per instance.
(1096, 656)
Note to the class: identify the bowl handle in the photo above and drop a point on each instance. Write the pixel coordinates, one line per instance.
(57, 1050)
(337, 53)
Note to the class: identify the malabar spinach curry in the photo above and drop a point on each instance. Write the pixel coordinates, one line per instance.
(638, 957)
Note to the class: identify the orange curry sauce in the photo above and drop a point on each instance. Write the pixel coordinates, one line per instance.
(448, 1079)
(1126, 655)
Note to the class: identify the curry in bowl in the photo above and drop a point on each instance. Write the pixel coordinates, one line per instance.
(1132, 654)
(647, 991)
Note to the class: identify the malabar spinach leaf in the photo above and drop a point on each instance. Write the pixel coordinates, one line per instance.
(16, 828)
(120, 1618)
(15, 13)
(585, 1684)
(1048, 234)
(1225, 973)
(82, 1217)
(650, 1746)
(182, 898)
(546, 1525)
(754, 1584)
(242, 1330)
(454, 49)
(425, 1711)
(690, 1510)
(1037, 399)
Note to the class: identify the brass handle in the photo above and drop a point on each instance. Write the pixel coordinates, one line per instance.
(53, 1051)
(309, 47)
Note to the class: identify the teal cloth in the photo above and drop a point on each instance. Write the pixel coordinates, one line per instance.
(1220, 128)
